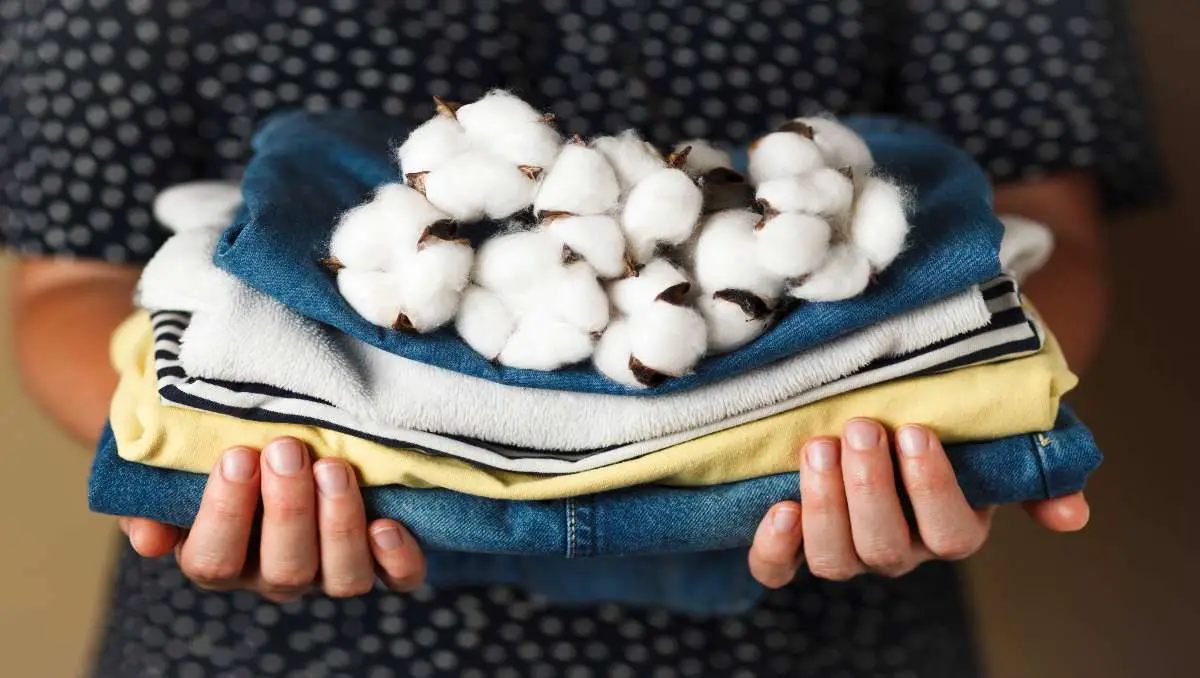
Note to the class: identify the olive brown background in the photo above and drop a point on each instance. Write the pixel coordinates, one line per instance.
(1116, 601)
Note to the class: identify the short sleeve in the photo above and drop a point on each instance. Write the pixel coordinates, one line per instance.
(93, 122)
(1032, 88)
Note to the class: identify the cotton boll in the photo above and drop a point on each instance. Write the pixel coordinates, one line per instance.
(533, 146)
(845, 274)
(432, 144)
(513, 261)
(667, 339)
(879, 224)
(782, 154)
(724, 256)
(474, 185)
(497, 113)
(823, 191)
(484, 322)
(839, 144)
(662, 209)
(427, 313)
(792, 245)
(374, 295)
(729, 327)
(631, 157)
(635, 293)
(580, 182)
(377, 233)
(577, 297)
(613, 352)
(440, 265)
(703, 157)
(598, 239)
(542, 343)
(198, 204)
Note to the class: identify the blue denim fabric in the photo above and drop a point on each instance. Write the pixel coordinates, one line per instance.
(307, 169)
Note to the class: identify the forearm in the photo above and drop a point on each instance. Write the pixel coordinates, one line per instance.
(64, 315)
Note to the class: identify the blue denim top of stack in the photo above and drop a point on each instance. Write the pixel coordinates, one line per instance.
(307, 169)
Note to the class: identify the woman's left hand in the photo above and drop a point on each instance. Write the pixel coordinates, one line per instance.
(852, 523)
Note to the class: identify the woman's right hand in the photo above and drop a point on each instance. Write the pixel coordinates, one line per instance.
(314, 532)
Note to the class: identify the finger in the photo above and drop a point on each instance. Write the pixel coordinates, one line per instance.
(775, 554)
(828, 543)
(347, 568)
(1069, 513)
(150, 539)
(401, 565)
(948, 526)
(289, 556)
(878, 526)
(214, 552)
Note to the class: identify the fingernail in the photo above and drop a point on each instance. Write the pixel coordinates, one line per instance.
(285, 456)
(387, 538)
(238, 465)
(913, 441)
(785, 519)
(862, 434)
(332, 479)
(822, 455)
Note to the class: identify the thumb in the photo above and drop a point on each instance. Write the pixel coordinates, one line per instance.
(149, 538)
(1069, 513)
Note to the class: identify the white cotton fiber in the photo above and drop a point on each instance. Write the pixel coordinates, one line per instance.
(578, 298)
(845, 274)
(823, 191)
(440, 265)
(598, 239)
(427, 313)
(635, 293)
(662, 209)
(498, 112)
(484, 322)
(839, 144)
(580, 182)
(541, 343)
(198, 204)
(512, 261)
(703, 157)
(782, 154)
(631, 157)
(879, 224)
(474, 185)
(792, 245)
(534, 145)
(729, 327)
(432, 144)
(613, 352)
(374, 295)
(379, 233)
(725, 256)
(668, 339)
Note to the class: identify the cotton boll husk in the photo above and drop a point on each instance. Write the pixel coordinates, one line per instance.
(725, 256)
(879, 224)
(543, 343)
(432, 144)
(845, 274)
(668, 339)
(580, 182)
(613, 352)
(663, 208)
(839, 144)
(635, 293)
(497, 113)
(197, 204)
(597, 238)
(374, 295)
(384, 230)
(782, 154)
(729, 327)
(703, 157)
(512, 261)
(483, 321)
(531, 144)
(631, 157)
(476, 184)
(822, 191)
(792, 245)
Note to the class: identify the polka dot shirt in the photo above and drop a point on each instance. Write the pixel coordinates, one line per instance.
(104, 102)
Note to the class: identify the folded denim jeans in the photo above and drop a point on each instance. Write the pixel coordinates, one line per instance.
(307, 169)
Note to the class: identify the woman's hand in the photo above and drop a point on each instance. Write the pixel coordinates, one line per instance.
(314, 532)
(852, 523)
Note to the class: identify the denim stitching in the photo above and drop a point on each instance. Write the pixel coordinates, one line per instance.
(570, 509)
(1042, 442)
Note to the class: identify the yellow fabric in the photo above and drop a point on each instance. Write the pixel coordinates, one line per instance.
(976, 403)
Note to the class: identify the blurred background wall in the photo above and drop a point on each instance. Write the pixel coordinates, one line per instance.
(1119, 600)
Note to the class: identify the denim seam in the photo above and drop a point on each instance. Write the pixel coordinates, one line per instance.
(1042, 442)
(570, 510)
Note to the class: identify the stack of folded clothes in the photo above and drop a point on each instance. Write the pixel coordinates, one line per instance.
(537, 351)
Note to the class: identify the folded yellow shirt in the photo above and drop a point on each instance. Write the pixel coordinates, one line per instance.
(975, 403)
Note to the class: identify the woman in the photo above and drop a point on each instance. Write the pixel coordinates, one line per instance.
(108, 101)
